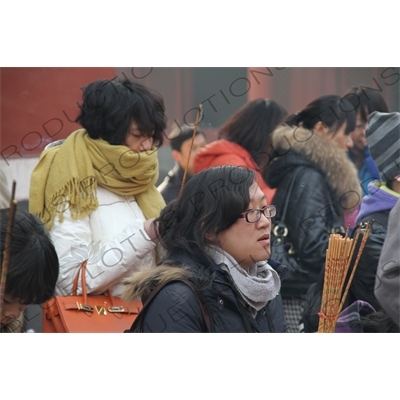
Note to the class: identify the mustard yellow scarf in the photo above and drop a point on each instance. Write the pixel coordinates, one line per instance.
(67, 176)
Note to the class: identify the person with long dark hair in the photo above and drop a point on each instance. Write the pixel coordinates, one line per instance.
(245, 140)
(217, 236)
(383, 139)
(310, 157)
(96, 191)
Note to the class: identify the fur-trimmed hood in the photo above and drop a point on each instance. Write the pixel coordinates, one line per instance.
(295, 146)
(213, 285)
(140, 284)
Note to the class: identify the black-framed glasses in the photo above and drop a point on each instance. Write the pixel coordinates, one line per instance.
(255, 214)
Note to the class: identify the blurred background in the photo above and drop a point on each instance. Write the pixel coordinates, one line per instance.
(39, 105)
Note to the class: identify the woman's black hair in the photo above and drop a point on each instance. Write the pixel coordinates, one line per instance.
(365, 101)
(33, 262)
(211, 202)
(109, 107)
(182, 133)
(333, 111)
(252, 125)
(379, 322)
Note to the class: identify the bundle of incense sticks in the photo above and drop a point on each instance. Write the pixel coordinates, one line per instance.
(339, 267)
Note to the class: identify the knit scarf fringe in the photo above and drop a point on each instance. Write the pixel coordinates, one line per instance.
(67, 176)
(76, 197)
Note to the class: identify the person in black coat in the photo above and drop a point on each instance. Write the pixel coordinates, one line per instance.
(183, 152)
(215, 276)
(310, 153)
(383, 138)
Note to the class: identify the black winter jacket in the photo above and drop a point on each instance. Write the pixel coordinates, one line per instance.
(325, 187)
(176, 308)
(363, 283)
(362, 286)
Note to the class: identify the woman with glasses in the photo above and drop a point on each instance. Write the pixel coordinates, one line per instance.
(217, 238)
(317, 185)
(95, 192)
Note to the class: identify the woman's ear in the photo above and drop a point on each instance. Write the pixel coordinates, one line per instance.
(211, 237)
(176, 155)
(321, 129)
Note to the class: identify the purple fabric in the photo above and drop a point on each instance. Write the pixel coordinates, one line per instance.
(376, 200)
(349, 320)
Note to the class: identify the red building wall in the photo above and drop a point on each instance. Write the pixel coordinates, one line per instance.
(39, 105)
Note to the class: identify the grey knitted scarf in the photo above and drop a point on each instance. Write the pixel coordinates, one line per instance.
(257, 286)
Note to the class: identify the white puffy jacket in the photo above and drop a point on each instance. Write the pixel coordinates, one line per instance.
(111, 238)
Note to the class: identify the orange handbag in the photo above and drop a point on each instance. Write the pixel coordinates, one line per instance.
(88, 314)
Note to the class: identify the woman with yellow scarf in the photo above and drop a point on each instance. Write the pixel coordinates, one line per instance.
(95, 192)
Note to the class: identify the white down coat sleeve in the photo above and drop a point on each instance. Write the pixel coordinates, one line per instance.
(112, 240)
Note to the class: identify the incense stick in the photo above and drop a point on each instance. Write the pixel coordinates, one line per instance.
(339, 257)
(199, 112)
(7, 246)
(360, 250)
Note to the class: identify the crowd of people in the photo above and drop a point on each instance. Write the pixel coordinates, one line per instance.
(212, 232)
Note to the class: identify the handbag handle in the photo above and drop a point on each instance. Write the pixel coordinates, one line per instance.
(289, 193)
(75, 284)
(280, 229)
(82, 273)
(137, 324)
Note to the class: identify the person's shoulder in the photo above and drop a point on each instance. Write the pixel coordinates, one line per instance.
(395, 212)
(164, 185)
(313, 178)
(176, 290)
(307, 175)
(169, 188)
(106, 197)
(174, 308)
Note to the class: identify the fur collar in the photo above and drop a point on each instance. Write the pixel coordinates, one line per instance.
(140, 284)
(340, 173)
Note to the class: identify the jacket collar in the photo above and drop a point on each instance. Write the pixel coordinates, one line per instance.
(279, 268)
(293, 143)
